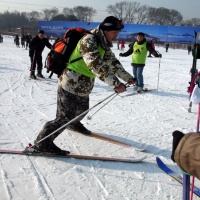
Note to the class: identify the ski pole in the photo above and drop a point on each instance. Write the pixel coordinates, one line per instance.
(83, 113)
(186, 187)
(158, 73)
(90, 117)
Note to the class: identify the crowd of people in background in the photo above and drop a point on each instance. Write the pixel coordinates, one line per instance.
(24, 41)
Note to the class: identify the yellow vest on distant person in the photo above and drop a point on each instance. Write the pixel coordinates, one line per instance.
(80, 65)
(139, 53)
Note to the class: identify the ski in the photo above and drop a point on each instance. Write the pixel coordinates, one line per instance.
(76, 156)
(138, 93)
(174, 175)
(114, 141)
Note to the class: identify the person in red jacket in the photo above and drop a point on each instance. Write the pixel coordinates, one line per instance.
(122, 44)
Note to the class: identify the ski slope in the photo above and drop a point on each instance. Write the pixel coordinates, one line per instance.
(141, 120)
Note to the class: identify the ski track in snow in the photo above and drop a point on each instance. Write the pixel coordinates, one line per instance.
(140, 120)
(4, 190)
(41, 183)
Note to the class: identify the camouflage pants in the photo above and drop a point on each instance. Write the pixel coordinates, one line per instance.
(68, 107)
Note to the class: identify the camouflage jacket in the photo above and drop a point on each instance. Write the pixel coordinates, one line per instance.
(108, 69)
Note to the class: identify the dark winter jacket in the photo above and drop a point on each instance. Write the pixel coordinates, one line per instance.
(187, 154)
(148, 46)
(37, 45)
(28, 38)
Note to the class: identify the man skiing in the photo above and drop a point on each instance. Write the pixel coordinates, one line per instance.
(77, 81)
(36, 48)
(139, 53)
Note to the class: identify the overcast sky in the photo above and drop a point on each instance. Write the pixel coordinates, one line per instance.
(188, 8)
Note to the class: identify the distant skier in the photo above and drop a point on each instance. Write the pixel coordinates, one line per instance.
(1, 38)
(139, 51)
(122, 45)
(189, 47)
(17, 40)
(28, 39)
(23, 41)
(36, 48)
(167, 47)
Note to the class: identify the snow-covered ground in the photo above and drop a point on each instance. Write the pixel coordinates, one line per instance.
(141, 120)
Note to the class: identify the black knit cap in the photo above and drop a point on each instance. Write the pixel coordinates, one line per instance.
(141, 33)
(111, 23)
(41, 32)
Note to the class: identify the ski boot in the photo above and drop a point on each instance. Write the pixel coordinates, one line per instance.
(42, 147)
(39, 74)
(78, 127)
(32, 75)
(140, 89)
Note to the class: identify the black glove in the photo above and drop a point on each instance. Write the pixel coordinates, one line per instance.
(121, 54)
(158, 55)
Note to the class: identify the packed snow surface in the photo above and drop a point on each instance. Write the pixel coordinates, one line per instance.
(141, 120)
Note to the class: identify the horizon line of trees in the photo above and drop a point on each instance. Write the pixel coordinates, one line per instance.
(129, 12)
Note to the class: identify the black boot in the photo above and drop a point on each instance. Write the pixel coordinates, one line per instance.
(39, 74)
(78, 127)
(32, 75)
(48, 146)
(177, 136)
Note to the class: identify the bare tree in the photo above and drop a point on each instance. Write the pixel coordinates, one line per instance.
(9, 21)
(118, 10)
(164, 16)
(59, 17)
(142, 14)
(67, 11)
(49, 13)
(129, 12)
(195, 21)
(191, 22)
(33, 15)
(175, 17)
(84, 13)
(160, 16)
